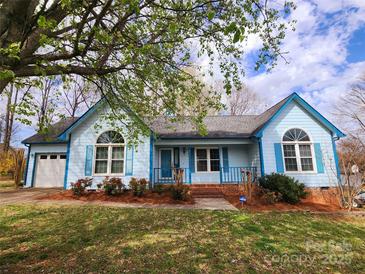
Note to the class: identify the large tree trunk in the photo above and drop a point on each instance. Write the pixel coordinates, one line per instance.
(8, 124)
(9, 117)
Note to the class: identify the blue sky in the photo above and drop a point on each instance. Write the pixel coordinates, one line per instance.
(326, 55)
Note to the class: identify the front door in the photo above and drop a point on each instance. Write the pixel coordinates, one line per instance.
(166, 163)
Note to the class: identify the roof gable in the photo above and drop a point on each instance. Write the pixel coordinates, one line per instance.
(296, 98)
(63, 135)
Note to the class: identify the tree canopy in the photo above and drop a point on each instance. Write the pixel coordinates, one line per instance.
(136, 51)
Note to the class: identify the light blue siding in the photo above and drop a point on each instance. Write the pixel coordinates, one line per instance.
(295, 116)
(86, 134)
(35, 149)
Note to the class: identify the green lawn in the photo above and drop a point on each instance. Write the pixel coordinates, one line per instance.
(104, 239)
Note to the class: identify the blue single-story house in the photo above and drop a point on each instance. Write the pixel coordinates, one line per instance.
(291, 137)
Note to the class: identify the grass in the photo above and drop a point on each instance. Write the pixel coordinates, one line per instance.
(91, 239)
(7, 185)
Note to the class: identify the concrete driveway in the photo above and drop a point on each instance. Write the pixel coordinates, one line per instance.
(25, 195)
(31, 196)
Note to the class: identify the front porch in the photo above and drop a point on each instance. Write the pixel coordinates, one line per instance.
(230, 175)
(206, 162)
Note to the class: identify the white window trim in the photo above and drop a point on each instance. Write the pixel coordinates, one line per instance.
(109, 160)
(208, 159)
(297, 156)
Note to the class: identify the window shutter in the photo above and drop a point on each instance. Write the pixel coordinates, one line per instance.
(319, 159)
(176, 157)
(279, 158)
(89, 160)
(129, 160)
(225, 159)
(191, 160)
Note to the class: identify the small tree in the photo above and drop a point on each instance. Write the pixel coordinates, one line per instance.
(352, 163)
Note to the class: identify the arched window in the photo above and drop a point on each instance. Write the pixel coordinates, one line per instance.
(297, 151)
(109, 154)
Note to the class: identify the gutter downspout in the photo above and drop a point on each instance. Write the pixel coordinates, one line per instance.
(27, 165)
(262, 166)
(67, 162)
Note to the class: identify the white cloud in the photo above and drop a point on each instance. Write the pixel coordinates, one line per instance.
(317, 54)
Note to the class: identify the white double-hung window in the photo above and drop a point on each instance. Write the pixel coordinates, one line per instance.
(207, 159)
(109, 154)
(297, 151)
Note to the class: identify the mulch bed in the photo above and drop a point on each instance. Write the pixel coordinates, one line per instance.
(257, 205)
(148, 197)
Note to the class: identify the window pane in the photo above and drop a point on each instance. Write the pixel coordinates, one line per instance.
(110, 137)
(295, 134)
(307, 164)
(101, 166)
(117, 166)
(291, 164)
(201, 154)
(289, 150)
(202, 165)
(214, 165)
(101, 152)
(214, 154)
(305, 151)
(118, 152)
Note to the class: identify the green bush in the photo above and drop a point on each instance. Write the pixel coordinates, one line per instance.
(289, 188)
(271, 197)
(180, 192)
(112, 186)
(78, 188)
(138, 186)
(158, 188)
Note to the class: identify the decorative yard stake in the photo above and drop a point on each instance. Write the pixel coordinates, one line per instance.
(242, 200)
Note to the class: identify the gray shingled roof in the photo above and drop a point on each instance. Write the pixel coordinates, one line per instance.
(218, 126)
(54, 131)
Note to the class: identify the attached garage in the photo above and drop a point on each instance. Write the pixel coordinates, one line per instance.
(50, 170)
(46, 159)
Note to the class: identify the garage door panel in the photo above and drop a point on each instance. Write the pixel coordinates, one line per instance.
(50, 170)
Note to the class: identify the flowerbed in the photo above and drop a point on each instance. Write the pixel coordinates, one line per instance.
(148, 197)
(304, 205)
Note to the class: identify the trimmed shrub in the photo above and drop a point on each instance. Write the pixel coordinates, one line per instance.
(289, 188)
(271, 197)
(180, 192)
(112, 186)
(78, 188)
(138, 186)
(158, 188)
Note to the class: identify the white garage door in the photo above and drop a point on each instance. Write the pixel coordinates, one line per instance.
(50, 170)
